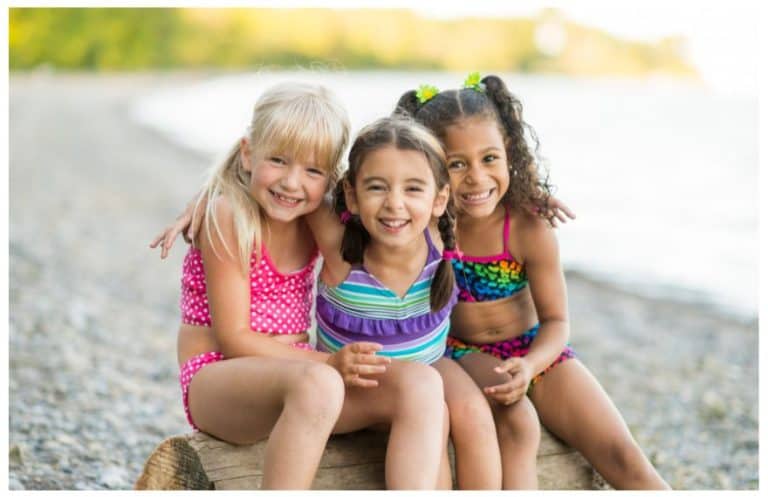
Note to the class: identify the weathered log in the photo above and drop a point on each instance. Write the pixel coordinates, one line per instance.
(354, 461)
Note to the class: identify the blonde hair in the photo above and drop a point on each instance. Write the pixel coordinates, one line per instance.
(292, 119)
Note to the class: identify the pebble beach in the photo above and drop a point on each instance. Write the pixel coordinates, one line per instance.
(93, 378)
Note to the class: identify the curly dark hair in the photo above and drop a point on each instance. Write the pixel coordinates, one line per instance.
(528, 175)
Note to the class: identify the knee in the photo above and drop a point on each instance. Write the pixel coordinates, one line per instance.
(472, 414)
(519, 424)
(317, 392)
(421, 387)
(627, 458)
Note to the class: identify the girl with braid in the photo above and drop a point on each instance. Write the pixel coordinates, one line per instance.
(386, 277)
(510, 329)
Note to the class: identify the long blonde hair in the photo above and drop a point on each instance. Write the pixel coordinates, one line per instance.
(291, 119)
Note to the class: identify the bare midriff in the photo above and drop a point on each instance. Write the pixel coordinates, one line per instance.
(494, 320)
(195, 340)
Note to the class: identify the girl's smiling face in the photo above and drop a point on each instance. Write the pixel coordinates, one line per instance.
(477, 165)
(395, 195)
(285, 187)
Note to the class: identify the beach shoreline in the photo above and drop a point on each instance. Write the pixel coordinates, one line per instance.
(93, 311)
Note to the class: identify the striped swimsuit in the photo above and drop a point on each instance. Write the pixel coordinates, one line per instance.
(361, 309)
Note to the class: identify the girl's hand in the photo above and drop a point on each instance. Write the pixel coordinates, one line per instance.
(520, 375)
(357, 359)
(190, 218)
(554, 210)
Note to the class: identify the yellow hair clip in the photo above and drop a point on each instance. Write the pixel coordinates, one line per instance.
(473, 81)
(426, 92)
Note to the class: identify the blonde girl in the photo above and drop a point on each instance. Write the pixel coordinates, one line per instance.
(247, 369)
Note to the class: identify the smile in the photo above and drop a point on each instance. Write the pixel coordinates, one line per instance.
(393, 224)
(287, 201)
(478, 197)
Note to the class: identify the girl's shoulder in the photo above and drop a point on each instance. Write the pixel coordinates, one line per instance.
(529, 233)
(218, 226)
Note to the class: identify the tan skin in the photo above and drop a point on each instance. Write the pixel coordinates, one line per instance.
(568, 399)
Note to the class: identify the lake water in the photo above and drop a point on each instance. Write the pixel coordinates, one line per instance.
(661, 174)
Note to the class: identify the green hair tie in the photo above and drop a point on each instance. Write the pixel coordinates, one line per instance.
(425, 93)
(473, 82)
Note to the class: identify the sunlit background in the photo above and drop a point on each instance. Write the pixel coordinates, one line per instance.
(646, 115)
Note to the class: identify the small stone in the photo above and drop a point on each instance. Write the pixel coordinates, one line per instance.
(14, 483)
(114, 477)
(713, 406)
(14, 456)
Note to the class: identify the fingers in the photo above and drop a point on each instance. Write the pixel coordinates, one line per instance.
(373, 359)
(365, 347)
(561, 217)
(568, 212)
(367, 369)
(157, 240)
(510, 366)
(357, 381)
(162, 238)
(510, 398)
(506, 393)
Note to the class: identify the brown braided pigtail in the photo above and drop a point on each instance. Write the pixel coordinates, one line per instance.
(407, 105)
(355, 235)
(444, 280)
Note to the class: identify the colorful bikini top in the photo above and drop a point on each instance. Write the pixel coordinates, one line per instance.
(280, 303)
(490, 277)
(361, 309)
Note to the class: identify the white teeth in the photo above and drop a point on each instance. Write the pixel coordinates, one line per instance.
(286, 199)
(394, 224)
(477, 196)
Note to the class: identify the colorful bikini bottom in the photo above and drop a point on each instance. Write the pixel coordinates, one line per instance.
(512, 347)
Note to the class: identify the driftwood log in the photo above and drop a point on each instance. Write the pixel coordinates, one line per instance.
(351, 462)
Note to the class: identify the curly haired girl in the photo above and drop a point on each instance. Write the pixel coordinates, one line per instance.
(510, 328)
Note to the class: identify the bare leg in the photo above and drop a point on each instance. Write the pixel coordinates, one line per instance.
(478, 462)
(242, 400)
(573, 405)
(445, 478)
(517, 425)
(409, 399)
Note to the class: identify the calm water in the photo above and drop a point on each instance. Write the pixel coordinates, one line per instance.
(662, 175)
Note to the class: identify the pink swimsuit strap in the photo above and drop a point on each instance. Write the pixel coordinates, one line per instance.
(505, 254)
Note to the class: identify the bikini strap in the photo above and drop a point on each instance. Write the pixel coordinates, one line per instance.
(506, 231)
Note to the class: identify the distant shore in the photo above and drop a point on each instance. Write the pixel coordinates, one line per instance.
(93, 378)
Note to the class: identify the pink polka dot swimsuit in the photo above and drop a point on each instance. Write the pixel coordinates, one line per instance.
(280, 303)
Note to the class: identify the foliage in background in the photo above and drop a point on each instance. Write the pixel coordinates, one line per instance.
(162, 38)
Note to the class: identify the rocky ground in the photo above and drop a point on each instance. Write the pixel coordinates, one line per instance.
(93, 312)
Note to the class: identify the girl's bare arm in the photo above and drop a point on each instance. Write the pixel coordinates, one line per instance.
(541, 256)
